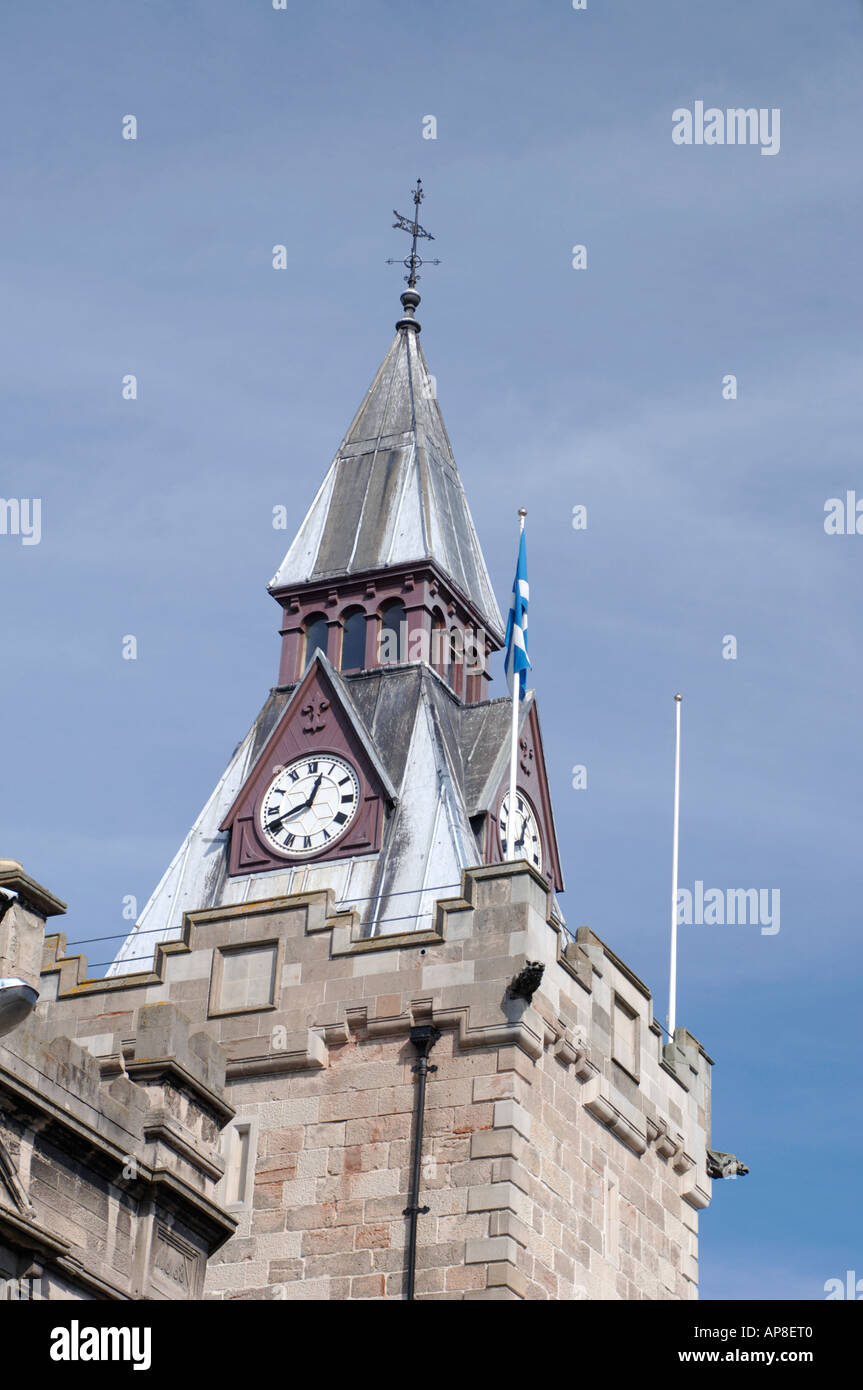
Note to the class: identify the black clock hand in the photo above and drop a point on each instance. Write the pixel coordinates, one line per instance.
(286, 815)
(519, 844)
(293, 812)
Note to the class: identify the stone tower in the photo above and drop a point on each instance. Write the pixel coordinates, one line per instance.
(360, 1055)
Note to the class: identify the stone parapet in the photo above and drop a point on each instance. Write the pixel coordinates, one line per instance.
(564, 1150)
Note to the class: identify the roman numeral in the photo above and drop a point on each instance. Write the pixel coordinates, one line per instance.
(349, 798)
(294, 776)
(326, 836)
(307, 842)
(344, 781)
(340, 818)
(311, 767)
(330, 768)
(289, 840)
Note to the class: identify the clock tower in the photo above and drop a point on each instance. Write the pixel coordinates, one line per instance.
(378, 766)
(341, 909)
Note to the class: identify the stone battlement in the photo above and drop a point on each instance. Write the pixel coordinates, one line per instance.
(564, 1152)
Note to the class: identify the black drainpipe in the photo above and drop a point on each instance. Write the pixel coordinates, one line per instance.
(423, 1037)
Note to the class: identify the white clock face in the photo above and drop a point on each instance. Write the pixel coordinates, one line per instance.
(309, 804)
(526, 843)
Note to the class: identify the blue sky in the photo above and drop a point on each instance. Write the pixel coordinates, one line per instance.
(600, 387)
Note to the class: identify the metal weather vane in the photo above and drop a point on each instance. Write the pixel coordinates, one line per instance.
(404, 224)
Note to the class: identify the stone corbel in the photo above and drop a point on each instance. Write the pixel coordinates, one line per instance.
(659, 1137)
(608, 1114)
(584, 1068)
(565, 1050)
(690, 1190)
(604, 1109)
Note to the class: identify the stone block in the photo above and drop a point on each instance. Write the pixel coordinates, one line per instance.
(373, 1237)
(352, 1263)
(491, 1248)
(496, 1197)
(307, 1290)
(460, 1278)
(383, 1183)
(369, 1286)
(506, 1223)
(327, 1241)
(496, 1143)
(497, 1086)
(505, 1275)
(509, 1114)
(312, 1163)
(512, 1058)
(436, 977)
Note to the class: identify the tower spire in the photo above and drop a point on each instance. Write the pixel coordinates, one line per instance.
(410, 298)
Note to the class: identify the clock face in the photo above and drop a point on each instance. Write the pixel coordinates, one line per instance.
(526, 844)
(309, 804)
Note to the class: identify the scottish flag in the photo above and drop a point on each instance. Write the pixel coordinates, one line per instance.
(517, 660)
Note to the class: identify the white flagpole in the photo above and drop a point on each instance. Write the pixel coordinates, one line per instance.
(513, 756)
(672, 987)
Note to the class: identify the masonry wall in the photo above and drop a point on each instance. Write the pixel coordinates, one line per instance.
(513, 1213)
(109, 1158)
(564, 1153)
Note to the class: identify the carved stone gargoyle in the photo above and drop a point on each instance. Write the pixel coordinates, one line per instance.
(721, 1165)
(525, 984)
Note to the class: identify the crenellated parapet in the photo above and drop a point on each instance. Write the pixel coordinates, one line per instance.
(565, 1149)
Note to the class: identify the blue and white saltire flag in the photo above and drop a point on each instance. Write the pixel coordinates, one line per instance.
(517, 660)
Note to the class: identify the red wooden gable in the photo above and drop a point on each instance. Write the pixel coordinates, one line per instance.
(316, 721)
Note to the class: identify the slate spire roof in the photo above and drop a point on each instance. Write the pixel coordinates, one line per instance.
(393, 494)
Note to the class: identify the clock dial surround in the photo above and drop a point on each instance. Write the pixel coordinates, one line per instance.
(528, 842)
(309, 805)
